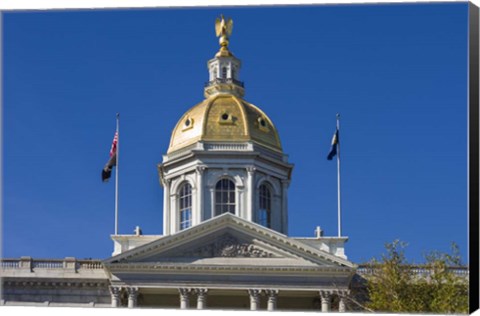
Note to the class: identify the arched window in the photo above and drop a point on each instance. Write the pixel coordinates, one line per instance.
(224, 197)
(264, 216)
(224, 72)
(185, 206)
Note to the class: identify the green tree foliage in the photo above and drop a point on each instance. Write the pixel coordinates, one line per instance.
(396, 285)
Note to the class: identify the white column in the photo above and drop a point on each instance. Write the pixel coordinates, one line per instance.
(240, 201)
(184, 298)
(201, 298)
(285, 184)
(254, 299)
(342, 295)
(166, 207)
(212, 201)
(132, 296)
(115, 295)
(250, 190)
(174, 216)
(272, 299)
(199, 198)
(325, 297)
(341, 305)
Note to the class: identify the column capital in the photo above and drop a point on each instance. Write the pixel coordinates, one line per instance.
(271, 293)
(254, 293)
(200, 169)
(184, 291)
(200, 291)
(115, 290)
(251, 170)
(132, 289)
(325, 294)
(342, 293)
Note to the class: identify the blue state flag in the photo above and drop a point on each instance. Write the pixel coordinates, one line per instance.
(335, 142)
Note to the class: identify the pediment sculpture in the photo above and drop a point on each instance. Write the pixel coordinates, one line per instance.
(229, 246)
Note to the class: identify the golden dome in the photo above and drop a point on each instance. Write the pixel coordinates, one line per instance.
(224, 118)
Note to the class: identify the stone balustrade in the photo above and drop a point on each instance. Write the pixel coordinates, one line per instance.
(10, 263)
(69, 263)
(421, 271)
(228, 147)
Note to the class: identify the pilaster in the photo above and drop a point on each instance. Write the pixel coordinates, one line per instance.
(285, 184)
(199, 197)
(173, 211)
(166, 207)
(249, 210)
(212, 201)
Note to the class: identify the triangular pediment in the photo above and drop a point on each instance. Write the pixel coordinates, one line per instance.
(229, 240)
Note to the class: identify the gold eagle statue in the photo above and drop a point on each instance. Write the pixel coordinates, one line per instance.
(223, 27)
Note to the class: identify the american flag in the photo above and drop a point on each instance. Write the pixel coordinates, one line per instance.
(113, 150)
(107, 170)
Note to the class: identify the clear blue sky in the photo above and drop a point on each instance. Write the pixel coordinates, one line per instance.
(396, 73)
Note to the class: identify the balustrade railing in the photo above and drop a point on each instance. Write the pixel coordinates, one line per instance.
(224, 80)
(10, 263)
(226, 147)
(368, 270)
(67, 263)
(47, 264)
(89, 265)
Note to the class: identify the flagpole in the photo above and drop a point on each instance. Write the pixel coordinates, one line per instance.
(338, 178)
(116, 173)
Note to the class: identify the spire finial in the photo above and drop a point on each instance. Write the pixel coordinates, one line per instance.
(223, 29)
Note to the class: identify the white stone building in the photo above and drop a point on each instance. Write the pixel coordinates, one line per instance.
(225, 242)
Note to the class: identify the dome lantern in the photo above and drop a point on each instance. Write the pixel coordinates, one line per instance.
(224, 68)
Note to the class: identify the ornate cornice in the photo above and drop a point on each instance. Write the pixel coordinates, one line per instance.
(233, 269)
(55, 284)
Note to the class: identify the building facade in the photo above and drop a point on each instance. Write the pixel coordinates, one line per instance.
(225, 240)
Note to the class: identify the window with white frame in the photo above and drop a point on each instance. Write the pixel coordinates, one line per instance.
(264, 215)
(185, 206)
(224, 197)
